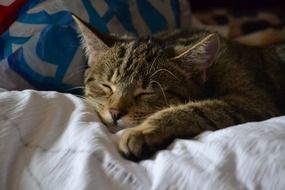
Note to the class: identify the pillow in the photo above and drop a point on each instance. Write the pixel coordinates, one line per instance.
(9, 10)
(41, 49)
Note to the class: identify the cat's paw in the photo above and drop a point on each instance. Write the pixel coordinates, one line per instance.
(132, 143)
(139, 143)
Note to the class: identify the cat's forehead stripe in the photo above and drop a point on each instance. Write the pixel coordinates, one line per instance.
(128, 58)
(128, 54)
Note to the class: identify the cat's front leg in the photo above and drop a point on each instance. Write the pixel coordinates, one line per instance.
(189, 120)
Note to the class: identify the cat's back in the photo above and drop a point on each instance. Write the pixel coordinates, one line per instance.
(264, 67)
(275, 60)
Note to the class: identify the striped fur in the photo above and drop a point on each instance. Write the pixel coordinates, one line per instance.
(168, 90)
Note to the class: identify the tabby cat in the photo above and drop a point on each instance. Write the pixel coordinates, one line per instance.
(179, 84)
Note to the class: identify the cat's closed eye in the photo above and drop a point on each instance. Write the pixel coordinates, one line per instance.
(144, 94)
(90, 79)
(107, 88)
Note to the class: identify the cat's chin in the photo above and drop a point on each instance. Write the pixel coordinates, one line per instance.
(114, 128)
(119, 126)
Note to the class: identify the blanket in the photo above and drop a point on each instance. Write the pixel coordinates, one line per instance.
(50, 140)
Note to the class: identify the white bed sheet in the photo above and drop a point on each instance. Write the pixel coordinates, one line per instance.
(54, 141)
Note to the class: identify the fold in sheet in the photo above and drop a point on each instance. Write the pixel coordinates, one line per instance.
(50, 140)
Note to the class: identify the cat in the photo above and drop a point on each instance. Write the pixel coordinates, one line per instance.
(178, 85)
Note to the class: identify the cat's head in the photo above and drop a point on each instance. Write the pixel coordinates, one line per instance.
(129, 79)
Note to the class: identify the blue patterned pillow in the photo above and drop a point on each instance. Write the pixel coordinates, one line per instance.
(41, 49)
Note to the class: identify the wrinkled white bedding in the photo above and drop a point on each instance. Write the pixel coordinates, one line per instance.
(53, 141)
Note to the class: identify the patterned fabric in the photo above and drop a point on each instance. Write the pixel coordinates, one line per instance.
(41, 49)
(252, 27)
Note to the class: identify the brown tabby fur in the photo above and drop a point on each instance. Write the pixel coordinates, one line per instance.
(179, 84)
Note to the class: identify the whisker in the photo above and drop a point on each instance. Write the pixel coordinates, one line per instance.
(159, 70)
(152, 64)
(81, 97)
(79, 70)
(74, 88)
(78, 87)
(165, 99)
(193, 47)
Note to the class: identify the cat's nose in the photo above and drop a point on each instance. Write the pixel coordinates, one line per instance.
(117, 114)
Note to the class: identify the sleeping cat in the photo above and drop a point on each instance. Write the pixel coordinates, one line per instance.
(178, 84)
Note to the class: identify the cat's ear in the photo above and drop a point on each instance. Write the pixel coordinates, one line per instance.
(93, 41)
(199, 57)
